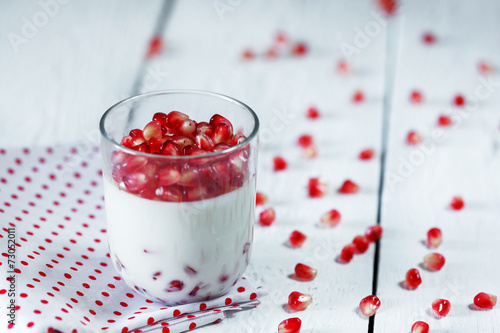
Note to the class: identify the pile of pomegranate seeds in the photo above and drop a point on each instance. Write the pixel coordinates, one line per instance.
(441, 307)
(261, 199)
(176, 180)
(459, 100)
(434, 262)
(298, 301)
(434, 238)
(366, 154)
(485, 301)
(304, 272)
(413, 279)
(416, 97)
(413, 138)
(296, 239)
(420, 327)
(317, 188)
(281, 46)
(279, 163)
(290, 325)
(331, 218)
(457, 203)
(349, 187)
(358, 96)
(360, 244)
(267, 217)
(369, 305)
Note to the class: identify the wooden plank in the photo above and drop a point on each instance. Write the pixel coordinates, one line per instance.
(460, 160)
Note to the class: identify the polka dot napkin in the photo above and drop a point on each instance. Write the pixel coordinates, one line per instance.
(55, 258)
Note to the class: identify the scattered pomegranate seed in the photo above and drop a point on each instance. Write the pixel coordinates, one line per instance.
(155, 46)
(312, 113)
(413, 279)
(388, 6)
(317, 188)
(298, 301)
(444, 120)
(416, 97)
(290, 325)
(347, 253)
(459, 100)
(299, 49)
(434, 238)
(369, 305)
(485, 301)
(305, 140)
(279, 163)
(261, 199)
(281, 37)
(296, 239)
(361, 244)
(267, 217)
(342, 67)
(374, 233)
(248, 54)
(457, 203)
(366, 154)
(349, 187)
(441, 307)
(484, 67)
(358, 96)
(271, 53)
(331, 218)
(305, 273)
(310, 152)
(429, 38)
(434, 262)
(413, 138)
(420, 327)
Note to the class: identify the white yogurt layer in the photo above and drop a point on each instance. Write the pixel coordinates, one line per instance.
(202, 246)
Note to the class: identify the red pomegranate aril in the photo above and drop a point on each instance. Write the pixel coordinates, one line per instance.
(361, 244)
(196, 193)
(305, 140)
(457, 203)
(219, 171)
(444, 120)
(130, 163)
(298, 301)
(143, 148)
(185, 127)
(459, 100)
(358, 96)
(238, 162)
(267, 217)
(434, 238)
(304, 272)
(366, 154)
(190, 176)
(152, 130)
(155, 144)
(369, 305)
(413, 279)
(428, 38)
(127, 141)
(182, 141)
(170, 148)
(347, 253)
(331, 218)
(204, 142)
(484, 67)
(485, 301)
(168, 176)
(271, 53)
(290, 325)
(261, 199)
(388, 6)
(218, 119)
(155, 46)
(279, 163)
(413, 138)
(175, 117)
(248, 54)
(420, 327)
(221, 133)
(222, 146)
(349, 187)
(374, 233)
(317, 188)
(205, 128)
(161, 118)
(299, 49)
(137, 137)
(169, 193)
(296, 239)
(237, 139)
(434, 262)
(135, 182)
(441, 307)
(342, 67)
(312, 113)
(416, 97)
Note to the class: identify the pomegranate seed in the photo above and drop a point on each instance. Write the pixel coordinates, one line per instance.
(459, 100)
(374, 233)
(416, 97)
(484, 67)
(175, 117)
(221, 133)
(127, 141)
(290, 325)
(182, 141)
(248, 54)
(170, 148)
(168, 176)
(261, 199)
(267, 217)
(218, 119)
(296, 239)
(420, 327)
(161, 118)
(358, 96)
(281, 37)
(342, 67)
(429, 38)
(271, 53)
(434, 262)
(185, 127)
(279, 163)
(361, 244)
(441, 307)
(413, 279)
(135, 182)
(143, 148)
(205, 128)
(347, 253)
(413, 138)
(312, 113)
(457, 203)
(388, 6)
(434, 238)
(298, 301)
(349, 187)
(204, 142)
(155, 46)
(221, 146)
(305, 140)
(331, 218)
(369, 305)
(485, 301)
(169, 193)
(299, 49)
(317, 188)
(305, 273)
(237, 139)
(137, 137)
(444, 120)
(366, 154)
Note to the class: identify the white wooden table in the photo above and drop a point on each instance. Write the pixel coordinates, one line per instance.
(59, 75)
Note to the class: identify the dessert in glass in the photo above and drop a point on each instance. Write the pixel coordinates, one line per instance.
(179, 172)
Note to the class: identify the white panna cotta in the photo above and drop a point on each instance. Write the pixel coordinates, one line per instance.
(180, 252)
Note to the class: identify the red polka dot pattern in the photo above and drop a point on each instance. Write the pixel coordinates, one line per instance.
(54, 201)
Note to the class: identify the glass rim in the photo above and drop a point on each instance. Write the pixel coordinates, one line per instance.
(137, 97)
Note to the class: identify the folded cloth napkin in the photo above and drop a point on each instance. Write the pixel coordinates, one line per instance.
(55, 258)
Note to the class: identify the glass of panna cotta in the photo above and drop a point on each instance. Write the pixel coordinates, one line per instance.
(179, 172)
